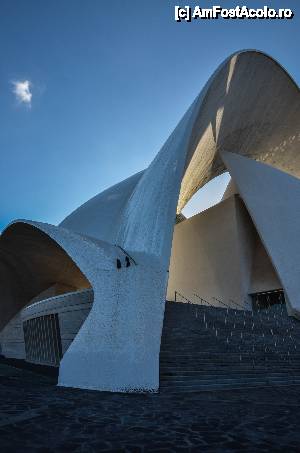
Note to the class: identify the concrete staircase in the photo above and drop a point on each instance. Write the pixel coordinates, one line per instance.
(207, 348)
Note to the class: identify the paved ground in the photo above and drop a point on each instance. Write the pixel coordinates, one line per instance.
(35, 415)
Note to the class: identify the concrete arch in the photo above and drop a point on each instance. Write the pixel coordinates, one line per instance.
(30, 263)
(53, 253)
(250, 102)
(35, 255)
(239, 104)
(251, 105)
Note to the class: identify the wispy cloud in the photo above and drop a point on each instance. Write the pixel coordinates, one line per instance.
(21, 89)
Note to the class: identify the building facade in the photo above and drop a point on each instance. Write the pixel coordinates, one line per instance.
(89, 294)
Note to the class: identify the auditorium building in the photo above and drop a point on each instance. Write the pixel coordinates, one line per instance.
(88, 296)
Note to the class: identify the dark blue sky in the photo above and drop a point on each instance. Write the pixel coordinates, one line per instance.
(110, 81)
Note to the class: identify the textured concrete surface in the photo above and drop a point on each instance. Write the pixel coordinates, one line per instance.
(252, 108)
(36, 416)
(117, 347)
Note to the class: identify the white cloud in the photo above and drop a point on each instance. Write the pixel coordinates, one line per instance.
(22, 91)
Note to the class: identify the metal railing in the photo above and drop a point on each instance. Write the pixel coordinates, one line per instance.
(265, 331)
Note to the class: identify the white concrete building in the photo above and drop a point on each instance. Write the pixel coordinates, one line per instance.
(89, 295)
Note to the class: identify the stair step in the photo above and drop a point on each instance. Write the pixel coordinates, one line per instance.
(193, 358)
(212, 387)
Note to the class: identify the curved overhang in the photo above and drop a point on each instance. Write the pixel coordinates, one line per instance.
(251, 107)
(34, 256)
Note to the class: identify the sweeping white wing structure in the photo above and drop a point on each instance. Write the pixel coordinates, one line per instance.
(246, 120)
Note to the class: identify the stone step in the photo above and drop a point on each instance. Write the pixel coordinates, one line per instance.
(224, 365)
(223, 377)
(222, 387)
(226, 355)
(235, 365)
(227, 381)
(237, 372)
(193, 358)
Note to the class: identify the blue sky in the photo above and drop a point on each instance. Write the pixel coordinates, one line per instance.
(109, 82)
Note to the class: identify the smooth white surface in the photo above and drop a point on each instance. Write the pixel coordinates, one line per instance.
(100, 216)
(272, 198)
(207, 256)
(218, 253)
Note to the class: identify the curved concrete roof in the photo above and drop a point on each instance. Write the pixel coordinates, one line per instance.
(35, 255)
(250, 107)
(100, 216)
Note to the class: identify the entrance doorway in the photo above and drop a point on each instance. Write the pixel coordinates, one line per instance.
(264, 300)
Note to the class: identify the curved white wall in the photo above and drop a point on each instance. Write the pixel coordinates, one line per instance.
(100, 216)
(249, 106)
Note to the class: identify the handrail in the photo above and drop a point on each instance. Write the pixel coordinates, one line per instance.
(181, 295)
(214, 306)
(201, 298)
(231, 300)
(264, 329)
(206, 302)
(243, 308)
(190, 302)
(225, 305)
